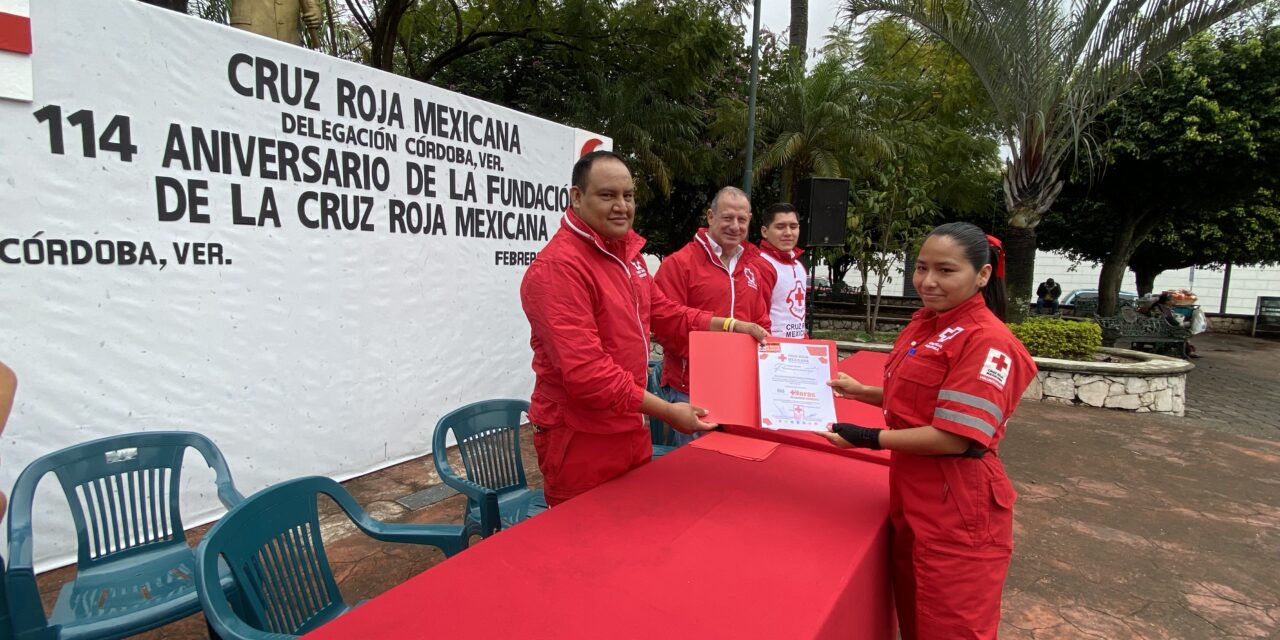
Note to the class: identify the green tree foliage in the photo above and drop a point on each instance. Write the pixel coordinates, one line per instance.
(1189, 175)
(935, 153)
(1048, 68)
(813, 123)
(651, 74)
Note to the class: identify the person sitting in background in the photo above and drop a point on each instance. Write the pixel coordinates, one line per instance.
(1048, 294)
(1163, 308)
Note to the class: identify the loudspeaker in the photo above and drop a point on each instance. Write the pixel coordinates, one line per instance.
(823, 204)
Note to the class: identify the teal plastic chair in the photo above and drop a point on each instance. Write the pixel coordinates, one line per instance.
(134, 569)
(661, 433)
(6, 625)
(488, 437)
(272, 545)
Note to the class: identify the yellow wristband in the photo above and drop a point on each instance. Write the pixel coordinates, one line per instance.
(727, 323)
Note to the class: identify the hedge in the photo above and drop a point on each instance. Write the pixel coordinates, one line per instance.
(1056, 338)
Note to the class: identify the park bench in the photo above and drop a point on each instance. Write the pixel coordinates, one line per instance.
(1143, 331)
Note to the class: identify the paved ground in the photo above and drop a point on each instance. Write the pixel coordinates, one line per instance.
(1128, 525)
(1236, 385)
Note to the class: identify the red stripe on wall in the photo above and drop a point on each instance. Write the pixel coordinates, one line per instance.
(15, 33)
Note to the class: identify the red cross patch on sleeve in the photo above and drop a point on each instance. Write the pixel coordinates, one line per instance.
(995, 369)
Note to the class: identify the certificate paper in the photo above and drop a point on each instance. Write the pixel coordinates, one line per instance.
(793, 386)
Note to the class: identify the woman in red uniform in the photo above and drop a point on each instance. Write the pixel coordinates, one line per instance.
(954, 377)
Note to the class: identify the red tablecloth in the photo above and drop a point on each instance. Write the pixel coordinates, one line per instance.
(698, 544)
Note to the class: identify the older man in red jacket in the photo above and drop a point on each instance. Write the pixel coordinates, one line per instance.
(591, 304)
(718, 271)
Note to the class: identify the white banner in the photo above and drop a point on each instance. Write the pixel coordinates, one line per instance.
(307, 260)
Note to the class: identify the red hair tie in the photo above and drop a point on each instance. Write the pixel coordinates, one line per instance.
(995, 242)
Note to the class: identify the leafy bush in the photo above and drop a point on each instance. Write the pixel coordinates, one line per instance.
(1056, 338)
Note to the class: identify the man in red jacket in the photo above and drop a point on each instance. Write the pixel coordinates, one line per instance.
(591, 304)
(718, 271)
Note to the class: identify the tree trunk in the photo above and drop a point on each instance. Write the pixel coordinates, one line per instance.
(866, 301)
(1020, 263)
(1146, 277)
(386, 30)
(1114, 266)
(800, 27)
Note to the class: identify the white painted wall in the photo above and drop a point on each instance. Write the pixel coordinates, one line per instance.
(1247, 283)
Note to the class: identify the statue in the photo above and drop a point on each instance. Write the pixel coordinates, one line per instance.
(278, 18)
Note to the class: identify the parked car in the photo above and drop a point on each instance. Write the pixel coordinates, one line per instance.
(821, 285)
(1127, 298)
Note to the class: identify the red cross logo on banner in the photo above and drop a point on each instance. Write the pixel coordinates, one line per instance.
(15, 51)
(15, 33)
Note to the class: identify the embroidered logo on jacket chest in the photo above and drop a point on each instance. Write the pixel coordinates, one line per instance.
(751, 277)
(641, 271)
(947, 334)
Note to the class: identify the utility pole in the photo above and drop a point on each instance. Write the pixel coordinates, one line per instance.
(751, 100)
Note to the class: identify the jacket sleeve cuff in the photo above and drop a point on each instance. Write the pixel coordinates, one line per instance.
(637, 397)
(701, 321)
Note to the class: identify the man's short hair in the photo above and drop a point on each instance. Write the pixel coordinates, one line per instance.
(776, 208)
(715, 202)
(582, 167)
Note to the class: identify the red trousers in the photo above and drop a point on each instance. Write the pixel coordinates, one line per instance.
(953, 537)
(573, 462)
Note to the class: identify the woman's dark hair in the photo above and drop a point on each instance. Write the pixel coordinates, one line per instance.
(1164, 298)
(979, 251)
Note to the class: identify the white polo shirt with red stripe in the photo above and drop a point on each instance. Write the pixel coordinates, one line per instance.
(789, 291)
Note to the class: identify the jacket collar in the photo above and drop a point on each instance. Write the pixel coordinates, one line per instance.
(746, 250)
(628, 248)
(950, 316)
(785, 257)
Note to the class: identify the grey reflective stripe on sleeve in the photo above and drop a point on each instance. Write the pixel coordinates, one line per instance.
(965, 419)
(973, 401)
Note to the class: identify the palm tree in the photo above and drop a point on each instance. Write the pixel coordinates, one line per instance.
(800, 27)
(1048, 67)
(814, 124)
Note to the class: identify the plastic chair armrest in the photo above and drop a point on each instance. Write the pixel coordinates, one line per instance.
(490, 516)
(448, 537)
(227, 492)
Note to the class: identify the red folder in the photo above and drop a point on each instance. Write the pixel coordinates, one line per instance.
(723, 375)
(723, 379)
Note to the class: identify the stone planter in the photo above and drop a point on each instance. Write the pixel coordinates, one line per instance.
(1150, 384)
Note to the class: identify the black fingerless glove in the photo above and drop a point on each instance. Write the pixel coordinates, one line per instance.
(860, 437)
